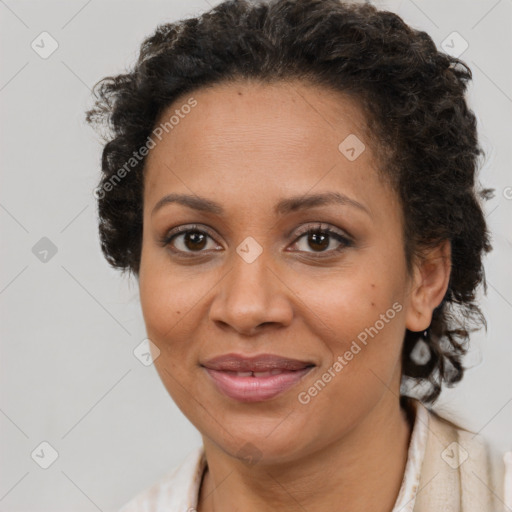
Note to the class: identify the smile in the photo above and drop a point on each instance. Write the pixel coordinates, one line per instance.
(255, 379)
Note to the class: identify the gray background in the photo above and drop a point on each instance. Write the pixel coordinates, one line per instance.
(69, 324)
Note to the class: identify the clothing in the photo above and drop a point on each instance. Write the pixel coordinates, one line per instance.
(448, 469)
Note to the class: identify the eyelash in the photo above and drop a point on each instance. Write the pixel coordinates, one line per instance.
(344, 240)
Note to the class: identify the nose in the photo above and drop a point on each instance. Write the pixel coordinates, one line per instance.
(251, 298)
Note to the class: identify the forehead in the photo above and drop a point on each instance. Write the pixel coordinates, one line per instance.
(296, 110)
(255, 137)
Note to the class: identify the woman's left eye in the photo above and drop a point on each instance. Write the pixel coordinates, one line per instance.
(322, 239)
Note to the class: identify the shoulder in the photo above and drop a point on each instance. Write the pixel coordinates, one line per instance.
(176, 490)
(462, 465)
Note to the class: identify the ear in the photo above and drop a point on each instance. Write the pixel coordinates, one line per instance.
(430, 282)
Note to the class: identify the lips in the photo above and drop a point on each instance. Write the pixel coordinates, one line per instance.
(261, 363)
(257, 378)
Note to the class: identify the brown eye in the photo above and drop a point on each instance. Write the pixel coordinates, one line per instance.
(318, 241)
(322, 240)
(188, 240)
(194, 240)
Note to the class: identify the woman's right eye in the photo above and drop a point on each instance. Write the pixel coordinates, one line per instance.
(188, 240)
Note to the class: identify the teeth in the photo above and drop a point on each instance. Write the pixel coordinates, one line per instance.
(261, 374)
(275, 371)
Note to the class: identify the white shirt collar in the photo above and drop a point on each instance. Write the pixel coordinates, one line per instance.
(410, 482)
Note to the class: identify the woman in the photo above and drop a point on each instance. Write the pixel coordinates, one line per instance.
(293, 185)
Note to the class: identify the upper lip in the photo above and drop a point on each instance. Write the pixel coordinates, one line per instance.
(259, 363)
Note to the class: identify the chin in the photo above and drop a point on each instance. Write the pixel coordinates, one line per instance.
(268, 442)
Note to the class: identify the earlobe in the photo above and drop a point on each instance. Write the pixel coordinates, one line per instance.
(430, 282)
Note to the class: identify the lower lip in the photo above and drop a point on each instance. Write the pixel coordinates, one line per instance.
(255, 389)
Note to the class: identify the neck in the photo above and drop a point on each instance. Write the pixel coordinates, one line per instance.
(363, 471)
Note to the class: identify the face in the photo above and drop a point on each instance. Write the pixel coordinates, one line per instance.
(233, 270)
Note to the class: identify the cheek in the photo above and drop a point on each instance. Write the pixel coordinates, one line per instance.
(167, 295)
(168, 308)
(348, 302)
(157, 301)
(167, 305)
(359, 316)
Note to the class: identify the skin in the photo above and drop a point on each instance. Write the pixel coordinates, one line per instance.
(248, 145)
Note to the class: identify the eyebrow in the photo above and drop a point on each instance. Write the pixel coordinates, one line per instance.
(283, 207)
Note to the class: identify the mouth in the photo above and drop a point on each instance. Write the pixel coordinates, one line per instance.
(255, 379)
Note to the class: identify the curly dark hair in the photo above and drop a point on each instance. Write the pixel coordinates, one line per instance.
(413, 99)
